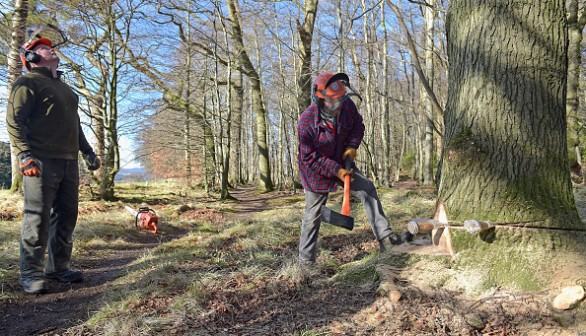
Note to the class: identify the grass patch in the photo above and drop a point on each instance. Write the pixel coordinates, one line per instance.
(363, 274)
(509, 268)
(289, 201)
(215, 268)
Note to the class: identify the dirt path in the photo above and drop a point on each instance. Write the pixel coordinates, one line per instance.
(66, 305)
(249, 200)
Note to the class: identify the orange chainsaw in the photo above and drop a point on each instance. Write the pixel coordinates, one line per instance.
(145, 218)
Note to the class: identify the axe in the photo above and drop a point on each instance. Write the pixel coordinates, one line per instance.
(344, 219)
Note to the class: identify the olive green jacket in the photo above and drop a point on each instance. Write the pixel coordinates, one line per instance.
(42, 117)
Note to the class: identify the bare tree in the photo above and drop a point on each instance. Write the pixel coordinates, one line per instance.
(305, 31)
(266, 183)
(17, 37)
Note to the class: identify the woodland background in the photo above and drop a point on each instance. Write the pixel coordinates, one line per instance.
(210, 91)
(205, 88)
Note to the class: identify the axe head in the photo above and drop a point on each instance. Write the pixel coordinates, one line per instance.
(334, 218)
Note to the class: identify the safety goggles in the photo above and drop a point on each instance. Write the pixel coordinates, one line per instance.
(346, 82)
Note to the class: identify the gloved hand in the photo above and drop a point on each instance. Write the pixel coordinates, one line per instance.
(350, 152)
(92, 160)
(343, 172)
(28, 164)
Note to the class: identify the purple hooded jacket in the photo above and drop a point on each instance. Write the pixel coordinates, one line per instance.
(321, 148)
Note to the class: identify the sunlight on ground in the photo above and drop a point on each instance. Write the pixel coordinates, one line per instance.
(216, 267)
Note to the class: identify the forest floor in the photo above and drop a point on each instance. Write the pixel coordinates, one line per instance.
(229, 268)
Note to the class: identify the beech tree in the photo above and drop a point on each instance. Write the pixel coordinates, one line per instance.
(305, 31)
(266, 183)
(19, 19)
(504, 157)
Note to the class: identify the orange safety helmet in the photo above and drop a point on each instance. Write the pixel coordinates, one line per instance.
(328, 85)
(28, 56)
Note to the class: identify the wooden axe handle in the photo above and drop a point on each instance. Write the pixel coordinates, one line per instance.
(346, 199)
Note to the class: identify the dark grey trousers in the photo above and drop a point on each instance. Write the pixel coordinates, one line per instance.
(362, 188)
(50, 215)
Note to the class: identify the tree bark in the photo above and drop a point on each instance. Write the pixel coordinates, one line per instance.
(187, 104)
(305, 31)
(428, 152)
(225, 149)
(17, 37)
(237, 110)
(266, 183)
(385, 102)
(111, 164)
(576, 22)
(504, 155)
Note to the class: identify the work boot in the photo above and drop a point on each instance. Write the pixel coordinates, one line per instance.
(306, 263)
(33, 285)
(66, 275)
(406, 236)
(389, 241)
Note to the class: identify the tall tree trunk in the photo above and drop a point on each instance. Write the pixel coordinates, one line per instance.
(98, 112)
(305, 31)
(225, 150)
(385, 102)
(282, 133)
(429, 108)
(505, 157)
(209, 150)
(186, 106)
(17, 37)
(576, 22)
(111, 164)
(341, 36)
(238, 102)
(266, 183)
(370, 39)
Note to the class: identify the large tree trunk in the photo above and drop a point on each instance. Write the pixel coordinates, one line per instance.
(428, 153)
(504, 157)
(385, 103)
(225, 145)
(111, 164)
(17, 38)
(305, 39)
(266, 183)
(576, 22)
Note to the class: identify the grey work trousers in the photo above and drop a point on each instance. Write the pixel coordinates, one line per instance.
(362, 188)
(50, 215)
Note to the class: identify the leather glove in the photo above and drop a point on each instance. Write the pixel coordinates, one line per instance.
(343, 172)
(350, 152)
(28, 164)
(92, 160)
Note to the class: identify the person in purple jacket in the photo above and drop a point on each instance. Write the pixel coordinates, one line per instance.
(330, 130)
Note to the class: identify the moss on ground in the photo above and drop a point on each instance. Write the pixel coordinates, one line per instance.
(363, 274)
(366, 272)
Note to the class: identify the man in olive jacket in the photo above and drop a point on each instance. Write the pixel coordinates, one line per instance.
(46, 134)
